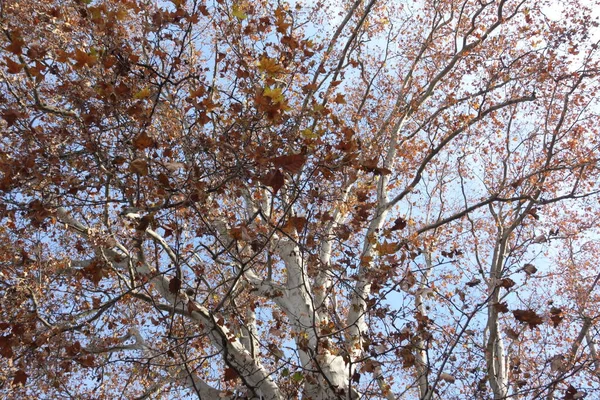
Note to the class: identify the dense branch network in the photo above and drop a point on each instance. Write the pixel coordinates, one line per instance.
(317, 200)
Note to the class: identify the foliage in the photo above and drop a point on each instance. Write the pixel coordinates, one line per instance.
(318, 200)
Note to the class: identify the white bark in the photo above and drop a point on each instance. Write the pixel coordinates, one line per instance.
(235, 354)
(496, 358)
(333, 377)
(421, 364)
(323, 282)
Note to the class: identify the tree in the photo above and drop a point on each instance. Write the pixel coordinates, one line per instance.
(316, 200)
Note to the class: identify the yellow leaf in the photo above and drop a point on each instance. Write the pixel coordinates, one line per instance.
(269, 66)
(309, 134)
(275, 94)
(121, 14)
(238, 12)
(142, 94)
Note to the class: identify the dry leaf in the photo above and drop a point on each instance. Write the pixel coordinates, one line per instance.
(139, 166)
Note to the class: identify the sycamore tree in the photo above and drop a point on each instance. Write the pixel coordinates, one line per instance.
(316, 199)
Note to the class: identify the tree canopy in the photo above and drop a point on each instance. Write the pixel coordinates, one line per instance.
(255, 199)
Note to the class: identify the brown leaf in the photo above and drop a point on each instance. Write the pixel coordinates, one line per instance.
(292, 163)
(533, 213)
(309, 88)
(556, 316)
(192, 307)
(371, 166)
(408, 358)
(119, 160)
(573, 394)
(20, 378)
(87, 361)
(540, 239)
(295, 223)
(83, 59)
(274, 179)
(139, 166)
(16, 43)
(557, 363)
(447, 377)
(13, 67)
(339, 99)
(229, 374)
(473, 282)
(501, 307)
(73, 349)
(399, 224)
(529, 269)
(174, 285)
(163, 179)
(11, 115)
(143, 141)
(6, 346)
(144, 223)
(386, 248)
(511, 333)
(408, 281)
(506, 283)
(173, 166)
(370, 365)
(94, 272)
(240, 233)
(529, 317)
